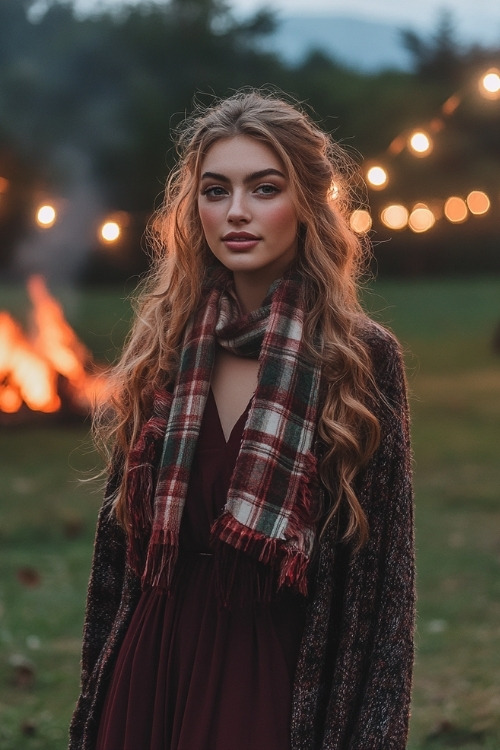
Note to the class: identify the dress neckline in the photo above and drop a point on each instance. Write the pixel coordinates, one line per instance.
(236, 427)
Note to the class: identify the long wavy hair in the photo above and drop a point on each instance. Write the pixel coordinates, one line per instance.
(330, 259)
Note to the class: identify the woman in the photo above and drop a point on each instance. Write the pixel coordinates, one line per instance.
(252, 583)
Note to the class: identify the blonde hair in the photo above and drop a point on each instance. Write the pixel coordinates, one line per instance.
(330, 259)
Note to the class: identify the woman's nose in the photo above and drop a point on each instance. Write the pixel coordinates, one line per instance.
(238, 210)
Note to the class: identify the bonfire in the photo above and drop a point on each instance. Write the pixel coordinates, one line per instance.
(48, 368)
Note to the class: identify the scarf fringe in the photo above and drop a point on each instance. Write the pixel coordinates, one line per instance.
(293, 571)
(161, 559)
(233, 542)
(239, 550)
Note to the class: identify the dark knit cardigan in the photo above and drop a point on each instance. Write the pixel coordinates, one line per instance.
(353, 678)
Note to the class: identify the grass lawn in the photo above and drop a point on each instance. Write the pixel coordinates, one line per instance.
(48, 516)
(447, 329)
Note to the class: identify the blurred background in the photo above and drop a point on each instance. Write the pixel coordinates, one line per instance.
(89, 94)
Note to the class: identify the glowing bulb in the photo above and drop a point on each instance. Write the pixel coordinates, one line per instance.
(395, 216)
(421, 219)
(377, 177)
(478, 202)
(420, 143)
(110, 231)
(46, 216)
(489, 85)
(333, 193)
(360, 221)
(455, 209)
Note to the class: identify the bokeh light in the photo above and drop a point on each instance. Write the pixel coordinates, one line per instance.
(110, 231)
(455, 209)
(377, 177)
(420, 143)
(4, 184)
(46, 216)
(333, 193)
(421, 219)
(489, 84)
(395, 216)
(360, 221)
(478, 202)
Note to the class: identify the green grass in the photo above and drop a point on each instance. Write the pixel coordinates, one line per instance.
(48, 522)
(454, 376)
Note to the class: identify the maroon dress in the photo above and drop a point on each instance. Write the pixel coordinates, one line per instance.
(191, 674)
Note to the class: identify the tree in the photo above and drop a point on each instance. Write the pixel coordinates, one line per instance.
(440, 58)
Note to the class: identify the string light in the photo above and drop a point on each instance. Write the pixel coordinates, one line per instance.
(333, 193)
(110, 231)
(478, 202)
(455, 209)
(421, 219)
(420, 143)
(395, 216)
(489, 84)
(377, 177)
(360, 221)
(451, 104)
(46, 216)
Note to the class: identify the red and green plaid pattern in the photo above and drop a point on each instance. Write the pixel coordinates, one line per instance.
(268, 509)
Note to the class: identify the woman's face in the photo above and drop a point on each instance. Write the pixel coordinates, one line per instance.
(246, 209)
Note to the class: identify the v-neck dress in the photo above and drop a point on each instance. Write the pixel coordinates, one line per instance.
(191, 674)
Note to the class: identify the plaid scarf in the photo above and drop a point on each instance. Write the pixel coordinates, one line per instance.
(269, 504)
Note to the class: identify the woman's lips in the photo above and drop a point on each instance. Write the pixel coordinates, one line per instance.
(240, 242)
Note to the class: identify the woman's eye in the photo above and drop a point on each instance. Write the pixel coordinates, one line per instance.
(216, 191)
(267, 189)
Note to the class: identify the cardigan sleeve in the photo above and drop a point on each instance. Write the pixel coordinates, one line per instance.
(385, 571)
(352, 689)
(105, 586)
(112, 594)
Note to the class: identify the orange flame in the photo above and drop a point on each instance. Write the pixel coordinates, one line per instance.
(30, 367)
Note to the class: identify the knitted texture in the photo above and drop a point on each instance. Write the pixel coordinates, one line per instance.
(353, 679)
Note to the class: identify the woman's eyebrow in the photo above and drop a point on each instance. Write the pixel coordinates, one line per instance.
(249, 178)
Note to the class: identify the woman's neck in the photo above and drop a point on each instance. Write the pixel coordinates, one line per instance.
(251, 292)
